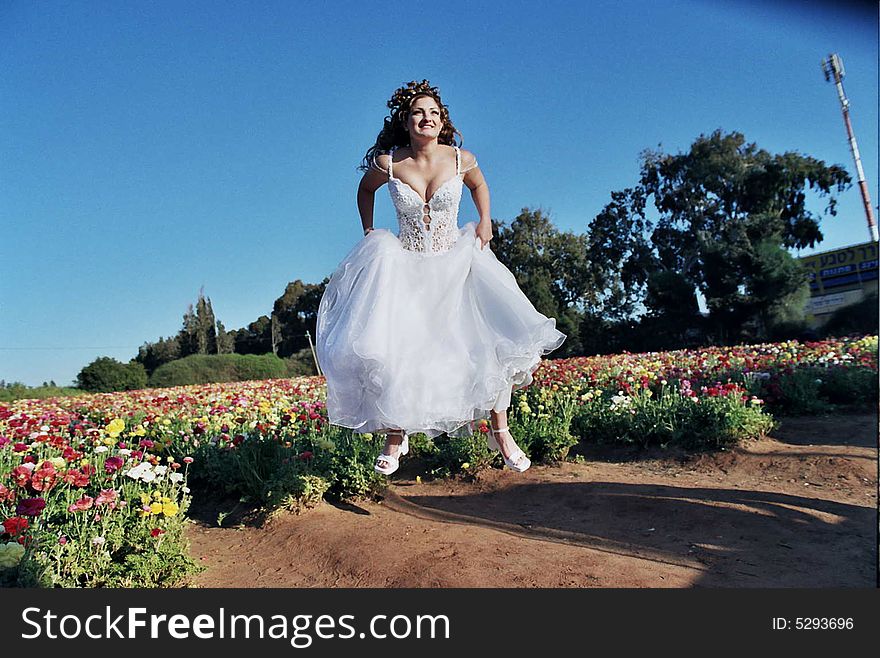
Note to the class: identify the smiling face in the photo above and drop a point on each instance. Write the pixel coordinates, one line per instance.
(424, 118)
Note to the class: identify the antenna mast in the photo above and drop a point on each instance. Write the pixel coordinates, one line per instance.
(833, 70)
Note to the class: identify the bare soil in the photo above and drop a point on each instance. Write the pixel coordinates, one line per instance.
(797, 508)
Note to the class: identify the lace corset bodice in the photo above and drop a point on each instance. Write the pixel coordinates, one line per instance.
(429, 227)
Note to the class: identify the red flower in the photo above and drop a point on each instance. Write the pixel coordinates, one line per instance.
(76, 478)
(155, 532)
(30, 506)
(113, 464)
(306, 455)
(21, 475)
(6, 494)
(44, 476)
(15, 525)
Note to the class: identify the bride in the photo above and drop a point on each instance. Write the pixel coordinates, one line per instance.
(426, 331)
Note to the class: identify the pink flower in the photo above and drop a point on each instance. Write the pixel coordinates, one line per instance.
(81, 505)
(107, 496)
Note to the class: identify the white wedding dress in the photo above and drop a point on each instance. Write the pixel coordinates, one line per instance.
(424, 330)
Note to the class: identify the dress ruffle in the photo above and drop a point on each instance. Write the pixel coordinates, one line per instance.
(426, 342)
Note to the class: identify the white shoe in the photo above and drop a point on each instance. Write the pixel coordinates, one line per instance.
(517, 460)
(387, 464)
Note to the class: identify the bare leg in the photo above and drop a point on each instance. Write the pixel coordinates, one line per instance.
(505, 439)
(392, 442)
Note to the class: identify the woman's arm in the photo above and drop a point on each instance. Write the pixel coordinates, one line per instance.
(373, 179)
(475, 181)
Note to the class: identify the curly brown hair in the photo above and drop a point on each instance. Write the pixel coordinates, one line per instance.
(393, 133)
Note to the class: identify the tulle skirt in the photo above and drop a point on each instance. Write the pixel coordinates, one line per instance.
(426, 342)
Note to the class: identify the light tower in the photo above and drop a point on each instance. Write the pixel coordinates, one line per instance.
(834, 71)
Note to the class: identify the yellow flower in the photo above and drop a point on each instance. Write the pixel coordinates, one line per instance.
(466, 465)
(140, 430)
(145, 498)
(170, 508)
(58, 463)
(115, 427)
(156, 508)
(418, 479)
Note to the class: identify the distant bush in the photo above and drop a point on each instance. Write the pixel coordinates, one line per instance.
(301, 363)
(858, 318)
(21, 391)
(210, 368)
(106, 375)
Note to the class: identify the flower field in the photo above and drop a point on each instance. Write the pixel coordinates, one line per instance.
(94, 490)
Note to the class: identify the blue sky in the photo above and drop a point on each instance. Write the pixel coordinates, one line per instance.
(148, 149)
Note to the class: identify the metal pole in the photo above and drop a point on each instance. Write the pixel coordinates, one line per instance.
(314, 355)
(833, 67)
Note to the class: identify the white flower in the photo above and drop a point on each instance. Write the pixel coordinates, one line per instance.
(125, 452)
(28, 465)
(100, 449)
(160, 470)
(143, 471)
(98, 541)
(176, 477)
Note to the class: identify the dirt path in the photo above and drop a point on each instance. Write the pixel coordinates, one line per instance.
(797, 509)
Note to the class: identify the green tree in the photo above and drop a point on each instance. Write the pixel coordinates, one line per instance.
(153, 355)
(296, 312)
(551, 268)
(725, 209)
(105, 375)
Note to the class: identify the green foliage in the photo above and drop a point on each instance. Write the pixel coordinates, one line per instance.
(540, 421)
(849, 386)
(669, 418)
(208, 368)
(817, 390)
(105, 375)
(288, 472)
(446, 455)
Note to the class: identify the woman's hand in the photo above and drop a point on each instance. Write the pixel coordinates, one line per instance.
(484, 232)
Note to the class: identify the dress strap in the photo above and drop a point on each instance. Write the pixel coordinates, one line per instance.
(391, 162)
(457, 160)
